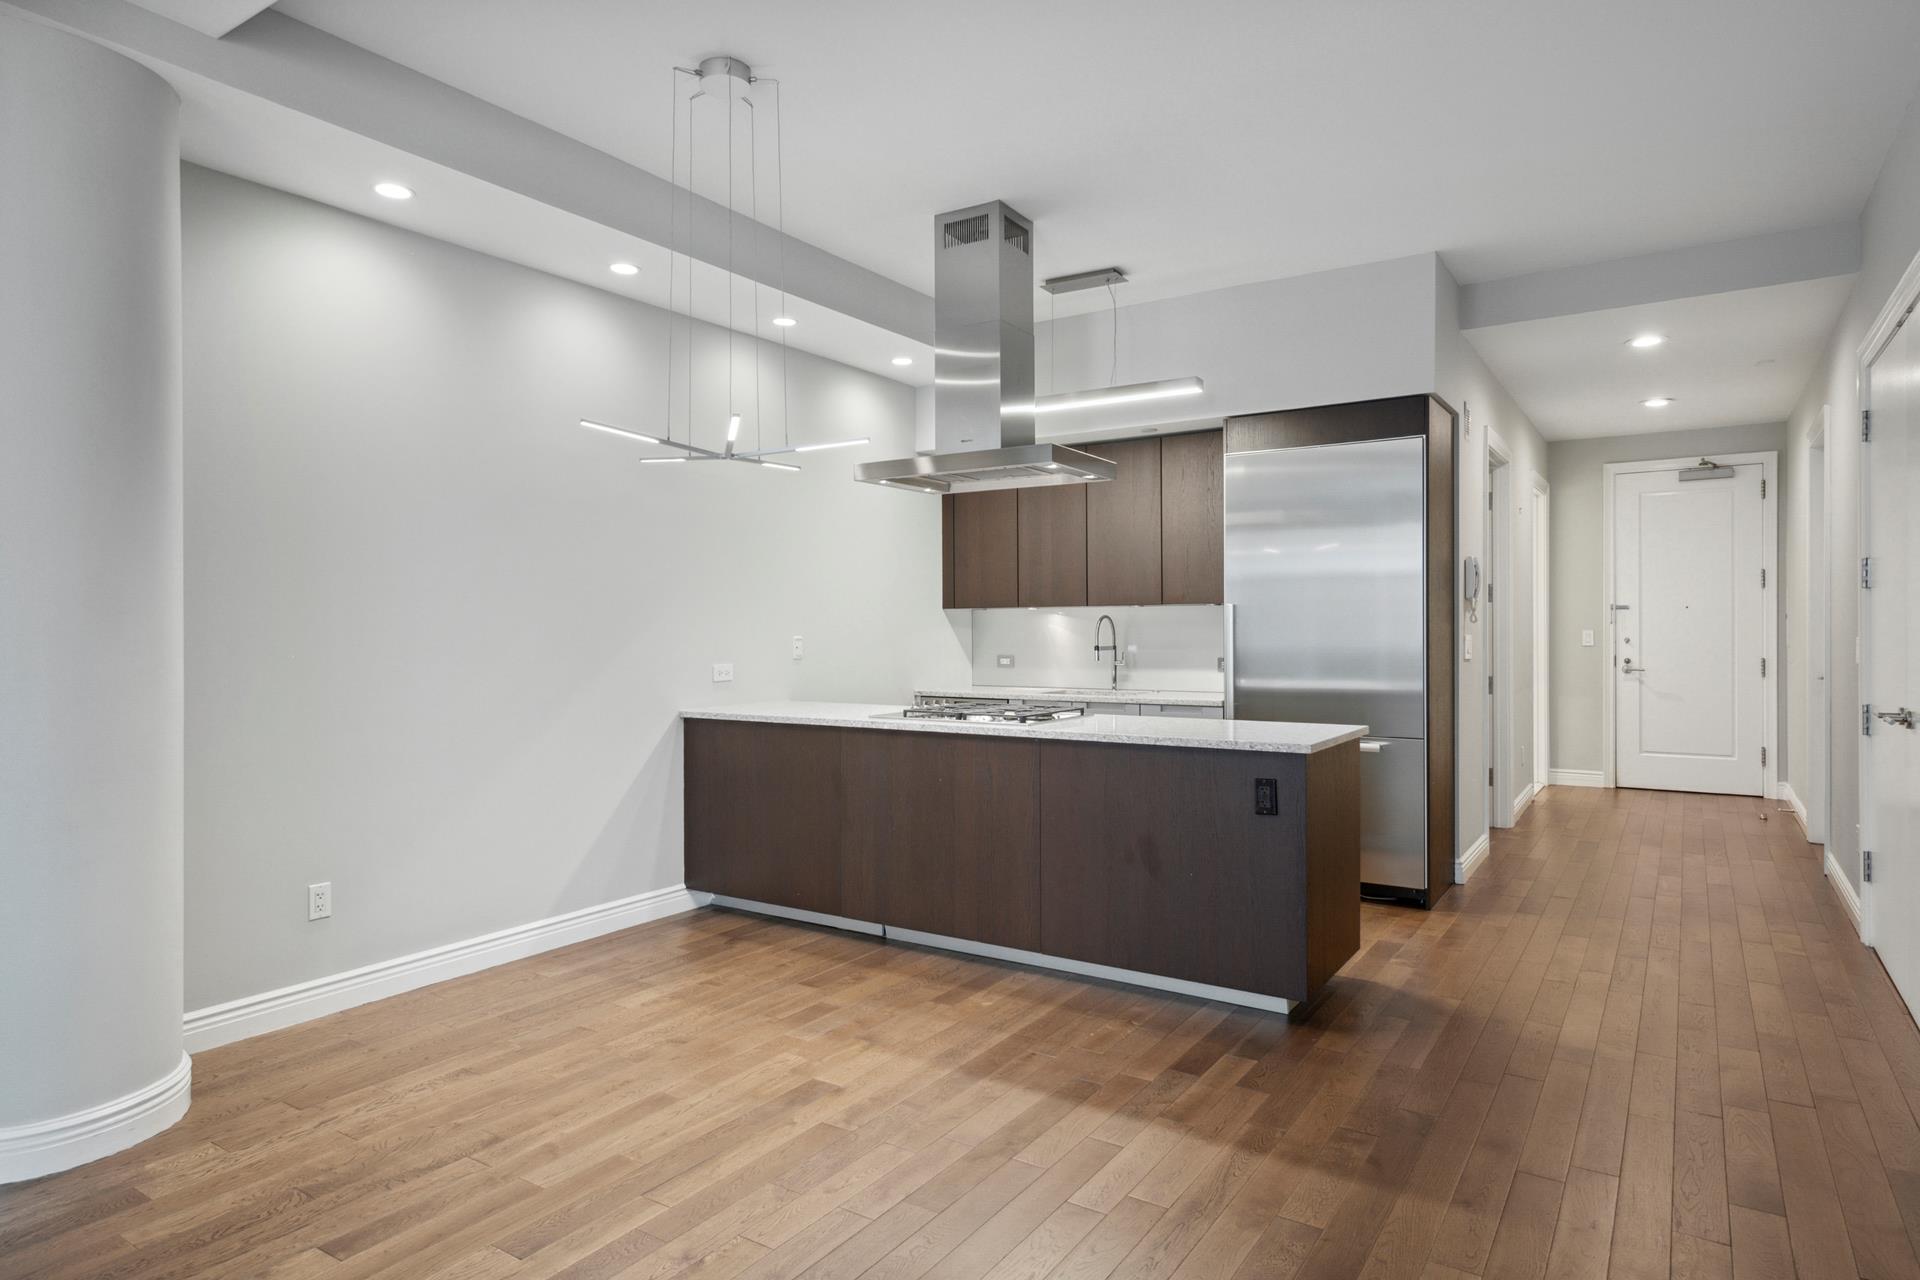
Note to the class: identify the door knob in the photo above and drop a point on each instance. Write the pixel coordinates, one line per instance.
(1903, 717)
(1628, 669)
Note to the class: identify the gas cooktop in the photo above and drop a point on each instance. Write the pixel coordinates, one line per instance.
(1018, 711)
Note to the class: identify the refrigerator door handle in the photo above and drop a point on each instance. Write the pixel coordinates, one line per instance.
(1226, 664)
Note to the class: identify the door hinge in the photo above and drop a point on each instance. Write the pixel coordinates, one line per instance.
(1489, 684)
(1489, 591)
(1866, 719)
(1763, 666)
(1489, 777)
(1763, 579)
(1866, 424)
(1763, 486)
(1763, 757)
(1866, 866)
(1866, 572)
(1489, 499)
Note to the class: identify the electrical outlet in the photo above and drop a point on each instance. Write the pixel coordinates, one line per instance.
(1586, 638)
(722, 672)
(320, 900)
(1003, 659)
(799, 648)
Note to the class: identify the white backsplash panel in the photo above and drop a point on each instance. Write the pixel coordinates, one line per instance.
(1166, 647)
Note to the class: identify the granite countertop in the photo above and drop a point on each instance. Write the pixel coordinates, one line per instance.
(1056, 693)
(1146, 731)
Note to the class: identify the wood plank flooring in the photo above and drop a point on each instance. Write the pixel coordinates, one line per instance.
(1645, 1041)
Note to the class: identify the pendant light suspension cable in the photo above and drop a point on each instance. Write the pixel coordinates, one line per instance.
(735, 79)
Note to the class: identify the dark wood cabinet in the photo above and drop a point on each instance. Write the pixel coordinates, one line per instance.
(1151, 535)
(943, 835)
(764, 814)
(1053, 545)
(1154, 859)
(1150, 859)
(1192, 516)
(986, 549)
(1123, 525)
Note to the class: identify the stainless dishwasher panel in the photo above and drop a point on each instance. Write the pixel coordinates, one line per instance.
(1393, 814)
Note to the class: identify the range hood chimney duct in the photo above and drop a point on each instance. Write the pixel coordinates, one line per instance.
(983, 402)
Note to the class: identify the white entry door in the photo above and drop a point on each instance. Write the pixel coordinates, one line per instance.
(1690, 631)
(1890, 753)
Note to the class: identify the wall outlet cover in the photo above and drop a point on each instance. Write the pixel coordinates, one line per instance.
(799, 648)
(1003, 659)
(320, 900)
(722, 672)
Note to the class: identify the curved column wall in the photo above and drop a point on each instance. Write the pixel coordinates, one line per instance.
(90, 603)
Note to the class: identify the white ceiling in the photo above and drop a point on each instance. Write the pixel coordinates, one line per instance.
(252, 138)
(1729, 359)
(1221, 142)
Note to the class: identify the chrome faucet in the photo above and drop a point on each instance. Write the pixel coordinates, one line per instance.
(1106, 620)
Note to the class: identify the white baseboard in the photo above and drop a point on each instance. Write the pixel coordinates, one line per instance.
(1469, 862)
(1526, 798)
(1793, 802)
(1848, 898)
(48, 1146)
(271, 1010)
(1576, 778)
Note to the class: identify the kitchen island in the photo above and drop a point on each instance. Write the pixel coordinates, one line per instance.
(1218, 858)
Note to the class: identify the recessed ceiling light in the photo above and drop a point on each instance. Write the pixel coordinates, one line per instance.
(785, 322)
(624, 269)
(1646, 340)
(1658, 402)
(393, 191)
(903, 361)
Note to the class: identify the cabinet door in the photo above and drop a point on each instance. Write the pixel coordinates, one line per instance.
(1192, 534)
(943, 834)
(1053, 545)
(986, 549)
(764, 813)
(1153, 859)
(1123, 526)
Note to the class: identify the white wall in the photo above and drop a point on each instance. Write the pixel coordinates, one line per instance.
(1167, 647)
(90, 601)
(436, 633)
(1358, 333)
(1891, 238)
(1580, 674)
(1464, 381)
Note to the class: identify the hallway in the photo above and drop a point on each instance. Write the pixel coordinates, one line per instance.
(1643, 1040)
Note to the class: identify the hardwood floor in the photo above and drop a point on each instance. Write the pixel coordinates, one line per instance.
(1645, 1041)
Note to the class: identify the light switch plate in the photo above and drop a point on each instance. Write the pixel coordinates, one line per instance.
(1586, 638)
(722, 672)
(1468, 640)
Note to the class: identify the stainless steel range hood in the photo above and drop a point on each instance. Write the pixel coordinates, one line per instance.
(983, 367)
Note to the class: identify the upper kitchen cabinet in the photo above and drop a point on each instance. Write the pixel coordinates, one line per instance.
(1053, 545)
(1192, 569)
(1151, 535)
(1123, 526)
(986, 549)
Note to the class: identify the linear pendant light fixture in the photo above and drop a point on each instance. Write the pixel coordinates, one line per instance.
(729, 84)
(1100, 397)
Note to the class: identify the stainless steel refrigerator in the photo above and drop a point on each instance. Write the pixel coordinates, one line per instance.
(1326, 560)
